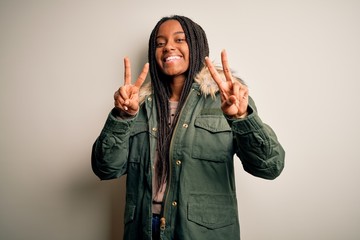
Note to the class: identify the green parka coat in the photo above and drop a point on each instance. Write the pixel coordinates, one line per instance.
(200, 201)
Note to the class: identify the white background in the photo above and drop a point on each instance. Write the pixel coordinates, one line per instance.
(61, 61)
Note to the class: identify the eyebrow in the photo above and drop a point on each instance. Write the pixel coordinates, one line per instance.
(175, 33)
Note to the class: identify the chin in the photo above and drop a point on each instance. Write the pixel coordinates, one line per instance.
(174, 72)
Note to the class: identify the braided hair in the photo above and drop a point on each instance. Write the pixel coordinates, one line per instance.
(198, 50)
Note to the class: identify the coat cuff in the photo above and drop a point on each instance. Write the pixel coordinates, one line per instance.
(250, 123)
(118, 125)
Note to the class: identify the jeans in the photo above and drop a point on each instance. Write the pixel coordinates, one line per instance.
(156, 227)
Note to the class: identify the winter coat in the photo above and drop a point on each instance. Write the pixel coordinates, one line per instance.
(200, 201)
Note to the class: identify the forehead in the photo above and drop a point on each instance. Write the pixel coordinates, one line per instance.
(169, 27)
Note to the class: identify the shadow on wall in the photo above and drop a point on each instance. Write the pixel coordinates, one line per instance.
(117, 208)
(88, 197)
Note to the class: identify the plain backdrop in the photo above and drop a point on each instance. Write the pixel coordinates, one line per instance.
(61, 61)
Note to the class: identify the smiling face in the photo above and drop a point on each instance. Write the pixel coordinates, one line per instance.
(172, 50)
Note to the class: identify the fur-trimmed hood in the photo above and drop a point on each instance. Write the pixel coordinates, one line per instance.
(207, 84)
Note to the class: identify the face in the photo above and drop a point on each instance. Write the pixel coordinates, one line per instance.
(172, 50)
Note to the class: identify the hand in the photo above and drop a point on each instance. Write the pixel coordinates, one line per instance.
(127, 97)
(234, 95)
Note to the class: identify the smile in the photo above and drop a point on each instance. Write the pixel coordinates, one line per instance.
(172, 58)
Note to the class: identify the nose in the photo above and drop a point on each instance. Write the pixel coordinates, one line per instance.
(169, 46)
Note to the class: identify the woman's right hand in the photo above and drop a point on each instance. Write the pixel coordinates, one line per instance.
(126, 99)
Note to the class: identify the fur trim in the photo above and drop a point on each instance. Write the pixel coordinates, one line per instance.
(145, 90)
(207, 84)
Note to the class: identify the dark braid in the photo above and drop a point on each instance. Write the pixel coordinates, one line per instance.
(199, 49)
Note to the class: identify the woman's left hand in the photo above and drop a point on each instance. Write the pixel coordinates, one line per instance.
(234, 95)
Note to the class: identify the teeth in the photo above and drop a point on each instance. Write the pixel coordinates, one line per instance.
(172, 58)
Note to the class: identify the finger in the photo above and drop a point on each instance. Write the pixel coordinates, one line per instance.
(119, 102)
(226, 67)
(127, 71)
(123, 95)
(121, 107)
(118, 98)
(236, 89)
(214, 73)
(240, 90)
(133, 105)
(231, 100)
(243, 92)
(142, 76)
(116, 94)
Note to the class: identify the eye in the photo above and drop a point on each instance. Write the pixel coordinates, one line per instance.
(160, 44)
(180, 40)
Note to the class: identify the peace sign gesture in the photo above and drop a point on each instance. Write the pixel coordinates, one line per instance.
(234, 95)
(126, 99)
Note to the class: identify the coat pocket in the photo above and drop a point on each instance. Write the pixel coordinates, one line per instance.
(213, 140)
(204, 211)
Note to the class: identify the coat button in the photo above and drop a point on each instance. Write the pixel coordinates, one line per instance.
(185, 125)
(154, 129)
(178, 162)
(162, 223)
(174, 203)
(149, 99)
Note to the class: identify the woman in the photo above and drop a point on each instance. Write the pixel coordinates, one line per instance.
(176, 137)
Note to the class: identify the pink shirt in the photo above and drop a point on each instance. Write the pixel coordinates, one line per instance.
(159, 195)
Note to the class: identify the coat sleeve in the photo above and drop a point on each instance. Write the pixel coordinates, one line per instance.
(110, 150)
(257, 145)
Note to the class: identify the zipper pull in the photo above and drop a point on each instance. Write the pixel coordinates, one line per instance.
(162, 223)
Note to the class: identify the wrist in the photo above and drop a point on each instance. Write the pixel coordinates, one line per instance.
(121, 114)
(238, 116)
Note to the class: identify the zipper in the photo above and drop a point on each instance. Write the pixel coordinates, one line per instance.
(163, 219)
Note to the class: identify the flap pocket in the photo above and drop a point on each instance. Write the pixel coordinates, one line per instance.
(213, 140)
(138, 127)
(211, 216)
(212, 211)
(138, 141)
(212, 123)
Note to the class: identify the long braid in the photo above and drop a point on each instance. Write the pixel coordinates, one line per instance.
(199, 49)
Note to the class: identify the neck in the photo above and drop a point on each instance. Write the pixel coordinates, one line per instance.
(177, 85)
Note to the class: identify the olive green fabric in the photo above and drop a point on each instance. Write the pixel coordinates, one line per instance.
(200, 202)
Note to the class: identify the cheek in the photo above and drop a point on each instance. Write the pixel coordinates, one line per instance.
(158, 57)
